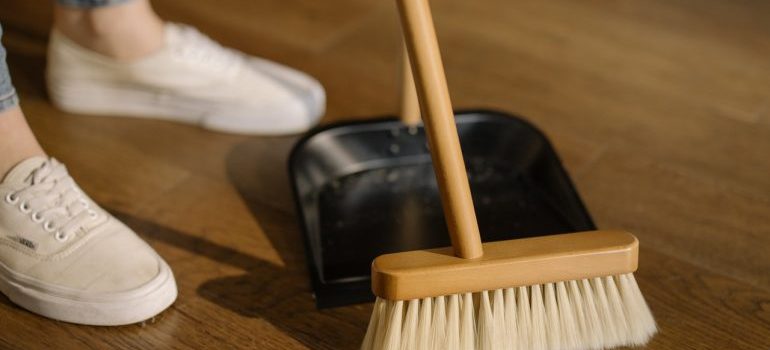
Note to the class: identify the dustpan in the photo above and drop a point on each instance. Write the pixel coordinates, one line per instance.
(367, 188)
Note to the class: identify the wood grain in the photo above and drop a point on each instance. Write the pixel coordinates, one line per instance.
(660, 110)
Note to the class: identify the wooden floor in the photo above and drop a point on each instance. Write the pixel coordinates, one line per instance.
(660, 110)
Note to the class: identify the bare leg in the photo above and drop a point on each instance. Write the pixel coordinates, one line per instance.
(125, 31)
(16, 140)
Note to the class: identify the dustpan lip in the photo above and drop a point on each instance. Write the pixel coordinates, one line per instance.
(483, 113)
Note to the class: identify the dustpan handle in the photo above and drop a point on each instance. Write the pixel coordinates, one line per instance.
(438, 117)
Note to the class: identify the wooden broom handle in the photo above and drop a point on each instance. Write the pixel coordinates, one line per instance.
(438, 117)
(410, 108)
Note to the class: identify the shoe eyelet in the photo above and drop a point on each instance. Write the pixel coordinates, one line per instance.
(48, 226)
(92, 214)
(11, 198)
(37, 217)
(61, 237)
(25, 208)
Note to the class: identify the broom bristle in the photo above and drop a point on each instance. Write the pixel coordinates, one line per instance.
(452, 341)
(596, 313)
(438, 324)
(467, 323)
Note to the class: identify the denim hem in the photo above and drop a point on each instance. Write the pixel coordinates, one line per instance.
(9, 101)
(90, 3)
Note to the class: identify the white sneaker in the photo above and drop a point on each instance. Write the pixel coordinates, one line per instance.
(191, 80)
(63, 257)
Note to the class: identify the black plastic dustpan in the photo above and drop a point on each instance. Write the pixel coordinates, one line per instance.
(367, 188)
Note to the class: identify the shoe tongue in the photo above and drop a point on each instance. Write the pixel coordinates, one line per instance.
(21, 171)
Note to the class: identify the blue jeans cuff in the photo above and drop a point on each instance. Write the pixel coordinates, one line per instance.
(9, 101)
(91, 3)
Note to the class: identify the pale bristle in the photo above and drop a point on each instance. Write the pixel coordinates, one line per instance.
(452, 341)
(594, 332)
(368, 343)
(498, 315)
(467, 323)
(570, 333)
(537, 326)
(612, 337)
(552, 323)
(438, 324)
(510, 319)
(524, 318)
(596, 313)
(635, 305)
(485, 334)
(618, 314)
(382, 325)
(423, 328)
(409, 330)
(394, 322)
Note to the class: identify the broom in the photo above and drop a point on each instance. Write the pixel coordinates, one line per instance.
(568, 291)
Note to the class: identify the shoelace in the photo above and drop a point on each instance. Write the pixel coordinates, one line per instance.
(53, 200)
(200, 49)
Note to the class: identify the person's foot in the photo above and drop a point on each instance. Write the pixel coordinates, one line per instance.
(63, 257)
(192, 79)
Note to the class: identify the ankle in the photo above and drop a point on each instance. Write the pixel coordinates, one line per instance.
(17, 142)
(125, 32)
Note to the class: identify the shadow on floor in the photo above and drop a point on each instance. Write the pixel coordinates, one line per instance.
(257, 168)
(277, 294)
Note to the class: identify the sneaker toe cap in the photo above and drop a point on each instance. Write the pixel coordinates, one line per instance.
(115, 262)
(302, 86)
(275, 100)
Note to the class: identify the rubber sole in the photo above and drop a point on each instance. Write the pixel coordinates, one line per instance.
(96, 309)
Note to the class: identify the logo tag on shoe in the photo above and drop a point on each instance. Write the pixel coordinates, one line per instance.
(25, 242)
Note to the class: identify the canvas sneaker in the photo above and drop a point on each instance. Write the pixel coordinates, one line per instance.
(192, 79)
(63, 257)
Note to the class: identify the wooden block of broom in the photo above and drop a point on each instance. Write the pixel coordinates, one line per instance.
(505, 264)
